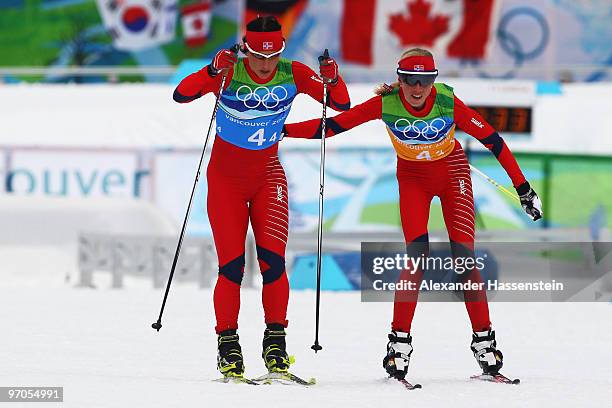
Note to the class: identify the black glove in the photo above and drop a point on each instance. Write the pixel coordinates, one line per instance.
(530, 201)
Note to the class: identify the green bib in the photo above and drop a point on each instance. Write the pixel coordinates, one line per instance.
(410, 129)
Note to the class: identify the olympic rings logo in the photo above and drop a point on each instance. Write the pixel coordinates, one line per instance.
(520, 48)
(262, 96)
(420, 129)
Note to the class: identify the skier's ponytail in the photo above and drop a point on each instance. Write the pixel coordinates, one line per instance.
(384, 89)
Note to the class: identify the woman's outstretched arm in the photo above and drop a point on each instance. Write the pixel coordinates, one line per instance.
(473, 124)
(311, 129)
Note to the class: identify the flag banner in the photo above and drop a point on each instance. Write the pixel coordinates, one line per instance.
(139, 24)
(456, 29)
(195, 19)
(550, 40)
(536, 39)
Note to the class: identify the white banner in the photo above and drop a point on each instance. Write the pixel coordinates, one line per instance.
(174, 175)
(74, 174)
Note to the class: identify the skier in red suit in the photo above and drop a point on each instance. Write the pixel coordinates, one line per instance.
(246, 180)
(421, 118)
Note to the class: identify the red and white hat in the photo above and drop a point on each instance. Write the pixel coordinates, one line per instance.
(417, 65)
(271, 43)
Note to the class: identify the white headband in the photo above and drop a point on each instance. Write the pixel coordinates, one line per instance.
(401, 71)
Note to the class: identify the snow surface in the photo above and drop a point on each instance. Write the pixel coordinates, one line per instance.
(98, 345)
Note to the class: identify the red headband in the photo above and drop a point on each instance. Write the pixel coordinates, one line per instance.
(417, 64)
(269, 41)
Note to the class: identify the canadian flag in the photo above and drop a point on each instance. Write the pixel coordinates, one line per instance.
(139, 24)
(373, 31)
(196, 23)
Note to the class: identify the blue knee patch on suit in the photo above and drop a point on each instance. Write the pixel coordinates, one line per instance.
(418, 247)
(275, 262)
(460, 250)
(494, 143)
(233, 270)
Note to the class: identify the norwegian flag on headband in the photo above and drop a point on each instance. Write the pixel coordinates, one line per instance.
(264, 41)
(373, 30)
(139, 24)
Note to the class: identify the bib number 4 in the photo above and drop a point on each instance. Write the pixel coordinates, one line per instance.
(259, 137)
(424, 155)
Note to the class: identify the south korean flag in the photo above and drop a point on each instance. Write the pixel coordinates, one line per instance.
(139, 24)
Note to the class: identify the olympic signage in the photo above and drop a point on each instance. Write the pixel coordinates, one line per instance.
(74, 174)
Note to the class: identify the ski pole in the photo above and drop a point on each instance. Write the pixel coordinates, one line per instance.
(316, 346)
(157, 325)
(496, 184)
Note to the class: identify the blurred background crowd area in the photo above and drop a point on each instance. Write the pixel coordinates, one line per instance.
(145, 40)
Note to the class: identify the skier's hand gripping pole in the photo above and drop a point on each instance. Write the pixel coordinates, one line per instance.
(157, 325)
(328, 68)
(316, 346)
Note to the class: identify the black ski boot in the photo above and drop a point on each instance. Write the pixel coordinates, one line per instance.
(484, 348)
(275, 350)
(229, 355)
(399, 350)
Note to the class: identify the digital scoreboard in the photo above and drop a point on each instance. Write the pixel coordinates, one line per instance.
(507, 119)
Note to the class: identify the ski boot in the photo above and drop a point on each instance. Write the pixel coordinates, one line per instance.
(399, 350)
(229, 355)
(484, 348)
(274, 349)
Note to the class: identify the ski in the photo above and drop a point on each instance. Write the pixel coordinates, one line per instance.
(497, 378)
(408, 385)
(284, 378)
(236, 380)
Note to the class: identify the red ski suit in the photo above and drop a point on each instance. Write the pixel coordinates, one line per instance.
(248, 184)
(419, 181)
